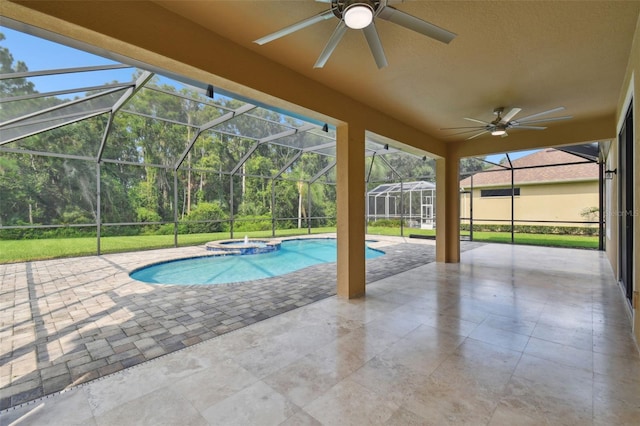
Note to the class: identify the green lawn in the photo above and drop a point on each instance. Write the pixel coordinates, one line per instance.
(571, 241)
(395, 232)
(553, 240)
(27, 250)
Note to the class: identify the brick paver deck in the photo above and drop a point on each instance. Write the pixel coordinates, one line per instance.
(68, 321)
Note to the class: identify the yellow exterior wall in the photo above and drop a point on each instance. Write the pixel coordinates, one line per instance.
(552, 201)
(630, 90)
(611, 203)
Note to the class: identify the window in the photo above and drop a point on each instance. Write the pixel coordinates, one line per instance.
(503, 192)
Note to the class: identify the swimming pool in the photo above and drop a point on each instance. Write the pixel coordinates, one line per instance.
(292, 256)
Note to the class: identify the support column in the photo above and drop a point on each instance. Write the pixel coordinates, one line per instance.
(175, 208)
(448, 209)
(98, 207)
(351, 209)
(273, 208)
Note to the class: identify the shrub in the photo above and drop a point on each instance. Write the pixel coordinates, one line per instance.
(167, 229)
(590, 214)
(252, 223)
(386, 223)
(119, 231)
(144, 214)
(44, 233)
(74, 216)
(205, 218)
(533, 229)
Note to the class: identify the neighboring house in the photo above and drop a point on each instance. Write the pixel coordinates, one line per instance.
(560, 194)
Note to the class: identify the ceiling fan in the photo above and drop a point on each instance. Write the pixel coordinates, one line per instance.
(360, 14)
(500, 125)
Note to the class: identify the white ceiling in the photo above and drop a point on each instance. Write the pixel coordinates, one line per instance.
(535, 55)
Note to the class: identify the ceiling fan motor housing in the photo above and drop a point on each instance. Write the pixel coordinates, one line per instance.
(359, 15)
(499, 126)
(340, 6)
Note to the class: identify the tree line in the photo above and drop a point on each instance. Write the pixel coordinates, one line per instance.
(55, 180)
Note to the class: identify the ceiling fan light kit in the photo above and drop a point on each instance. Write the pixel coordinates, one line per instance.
(360, 15)
(500, 125)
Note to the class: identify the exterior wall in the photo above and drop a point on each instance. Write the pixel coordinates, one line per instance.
(630, 91)
(552, 202)
(611, 209)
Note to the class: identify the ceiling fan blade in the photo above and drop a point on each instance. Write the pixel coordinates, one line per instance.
(528, 127)
(541, 113)
(331, 44)
(295, 27)
(396, 16)
(477, 121)
(463, 132)
(479, 134)
(545, 120)
(510, 115)
(463, 127)
(375, 45)
(504, 135)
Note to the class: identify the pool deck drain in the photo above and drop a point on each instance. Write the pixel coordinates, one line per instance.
(69, 321)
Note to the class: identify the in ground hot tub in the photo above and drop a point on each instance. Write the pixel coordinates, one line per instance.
(246, 246)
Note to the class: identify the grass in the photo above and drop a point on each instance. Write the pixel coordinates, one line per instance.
(27, 250)
(551, 240)
(395, 232)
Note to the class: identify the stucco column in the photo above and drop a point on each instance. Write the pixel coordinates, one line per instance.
(350, 188)
(448, 209)
(636, 196)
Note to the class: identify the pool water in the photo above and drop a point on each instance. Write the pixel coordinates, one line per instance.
(292, 256)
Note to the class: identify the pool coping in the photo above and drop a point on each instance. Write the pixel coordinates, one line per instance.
(229, 254)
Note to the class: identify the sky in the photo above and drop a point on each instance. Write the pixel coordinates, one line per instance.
(513, 155)
(40, 54)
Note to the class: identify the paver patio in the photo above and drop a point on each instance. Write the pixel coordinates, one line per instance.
(69, 321)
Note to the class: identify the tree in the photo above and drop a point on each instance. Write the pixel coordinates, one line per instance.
(13, 86)
(590, 214)
(469, 166)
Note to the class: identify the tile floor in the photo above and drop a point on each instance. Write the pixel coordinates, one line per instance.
(512, 335)
(69, 321)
